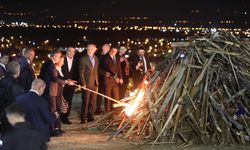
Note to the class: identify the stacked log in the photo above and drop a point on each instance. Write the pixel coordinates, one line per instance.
(199, 94)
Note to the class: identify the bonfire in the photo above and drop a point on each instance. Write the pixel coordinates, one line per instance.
(199, 94)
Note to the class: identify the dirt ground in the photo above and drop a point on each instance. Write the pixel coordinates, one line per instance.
(78, 137)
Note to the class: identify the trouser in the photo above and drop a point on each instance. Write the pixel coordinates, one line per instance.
(88, 104)
(68, 93)
(55, 105)
(123, 88)
(111, 90)
(101, 89)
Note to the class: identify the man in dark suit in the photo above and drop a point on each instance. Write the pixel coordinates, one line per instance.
(22, 136)
(111, 65)
(27, 74)
(37, 109)
(9, 90)
(70, 71)
(88, 74)
(4, 59)
(49, 74)
(140, 66)
(101, 87)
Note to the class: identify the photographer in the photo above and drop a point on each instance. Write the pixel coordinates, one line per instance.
(140, 66)
(124, 59)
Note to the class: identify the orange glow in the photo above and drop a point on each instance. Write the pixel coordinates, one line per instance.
(146, 82)
(131, 108)
(133, 93)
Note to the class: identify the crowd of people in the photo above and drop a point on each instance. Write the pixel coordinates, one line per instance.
(38, 104)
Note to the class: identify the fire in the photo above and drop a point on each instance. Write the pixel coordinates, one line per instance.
(131, 108)
(131, 94)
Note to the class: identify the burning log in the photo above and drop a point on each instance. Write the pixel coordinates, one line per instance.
(201, 94)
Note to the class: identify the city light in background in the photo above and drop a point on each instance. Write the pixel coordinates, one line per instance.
(111, 22)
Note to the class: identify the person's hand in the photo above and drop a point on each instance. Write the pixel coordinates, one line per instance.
(121, 81)
(122, 59)
(152, 70)
(57, 114)
(84, 86)
(117, 80)
(108, 74)
(74, 81)
(139, 65)
(70, 82)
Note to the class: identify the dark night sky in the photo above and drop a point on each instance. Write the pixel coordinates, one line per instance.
(152, 8)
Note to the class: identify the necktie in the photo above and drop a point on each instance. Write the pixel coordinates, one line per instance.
(142, 60)
(92, 61)
(114, 60)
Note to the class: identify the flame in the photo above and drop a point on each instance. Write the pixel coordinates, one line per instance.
(131, 108)
(131, 94)
(146, 82)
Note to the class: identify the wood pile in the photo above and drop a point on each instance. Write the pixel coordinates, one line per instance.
(200, 94)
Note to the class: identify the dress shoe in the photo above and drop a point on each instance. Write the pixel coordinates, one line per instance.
(83, 121)
(61, 131)
(66, 122)
(91, 119)
(56, 133)
(98, 112)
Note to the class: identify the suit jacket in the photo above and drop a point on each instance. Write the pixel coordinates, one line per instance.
(37, 112)
(9, 90)
(125, 67)
(49, 74)
(101, 71)
(88, 74)
(111, 67)
(3, 72)
(137, 74)
(27, 74)
(23, 137)
(73, 73)
(56, 88)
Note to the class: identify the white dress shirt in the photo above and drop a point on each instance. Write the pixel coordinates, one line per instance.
(3, 66)
(60, 71)
(34, 92)
(70, 62)
(145, 64)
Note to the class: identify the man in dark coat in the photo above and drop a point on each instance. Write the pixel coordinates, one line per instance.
(101, 79)
(113, 76)
(37, 109)
(140, 66)
(22, 136)
(9, 90)
(27, 74)
(49, 75)
(88, 73)
(4, 59)
(69, 71)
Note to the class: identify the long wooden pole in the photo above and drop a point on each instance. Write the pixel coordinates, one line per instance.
(87, 89)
